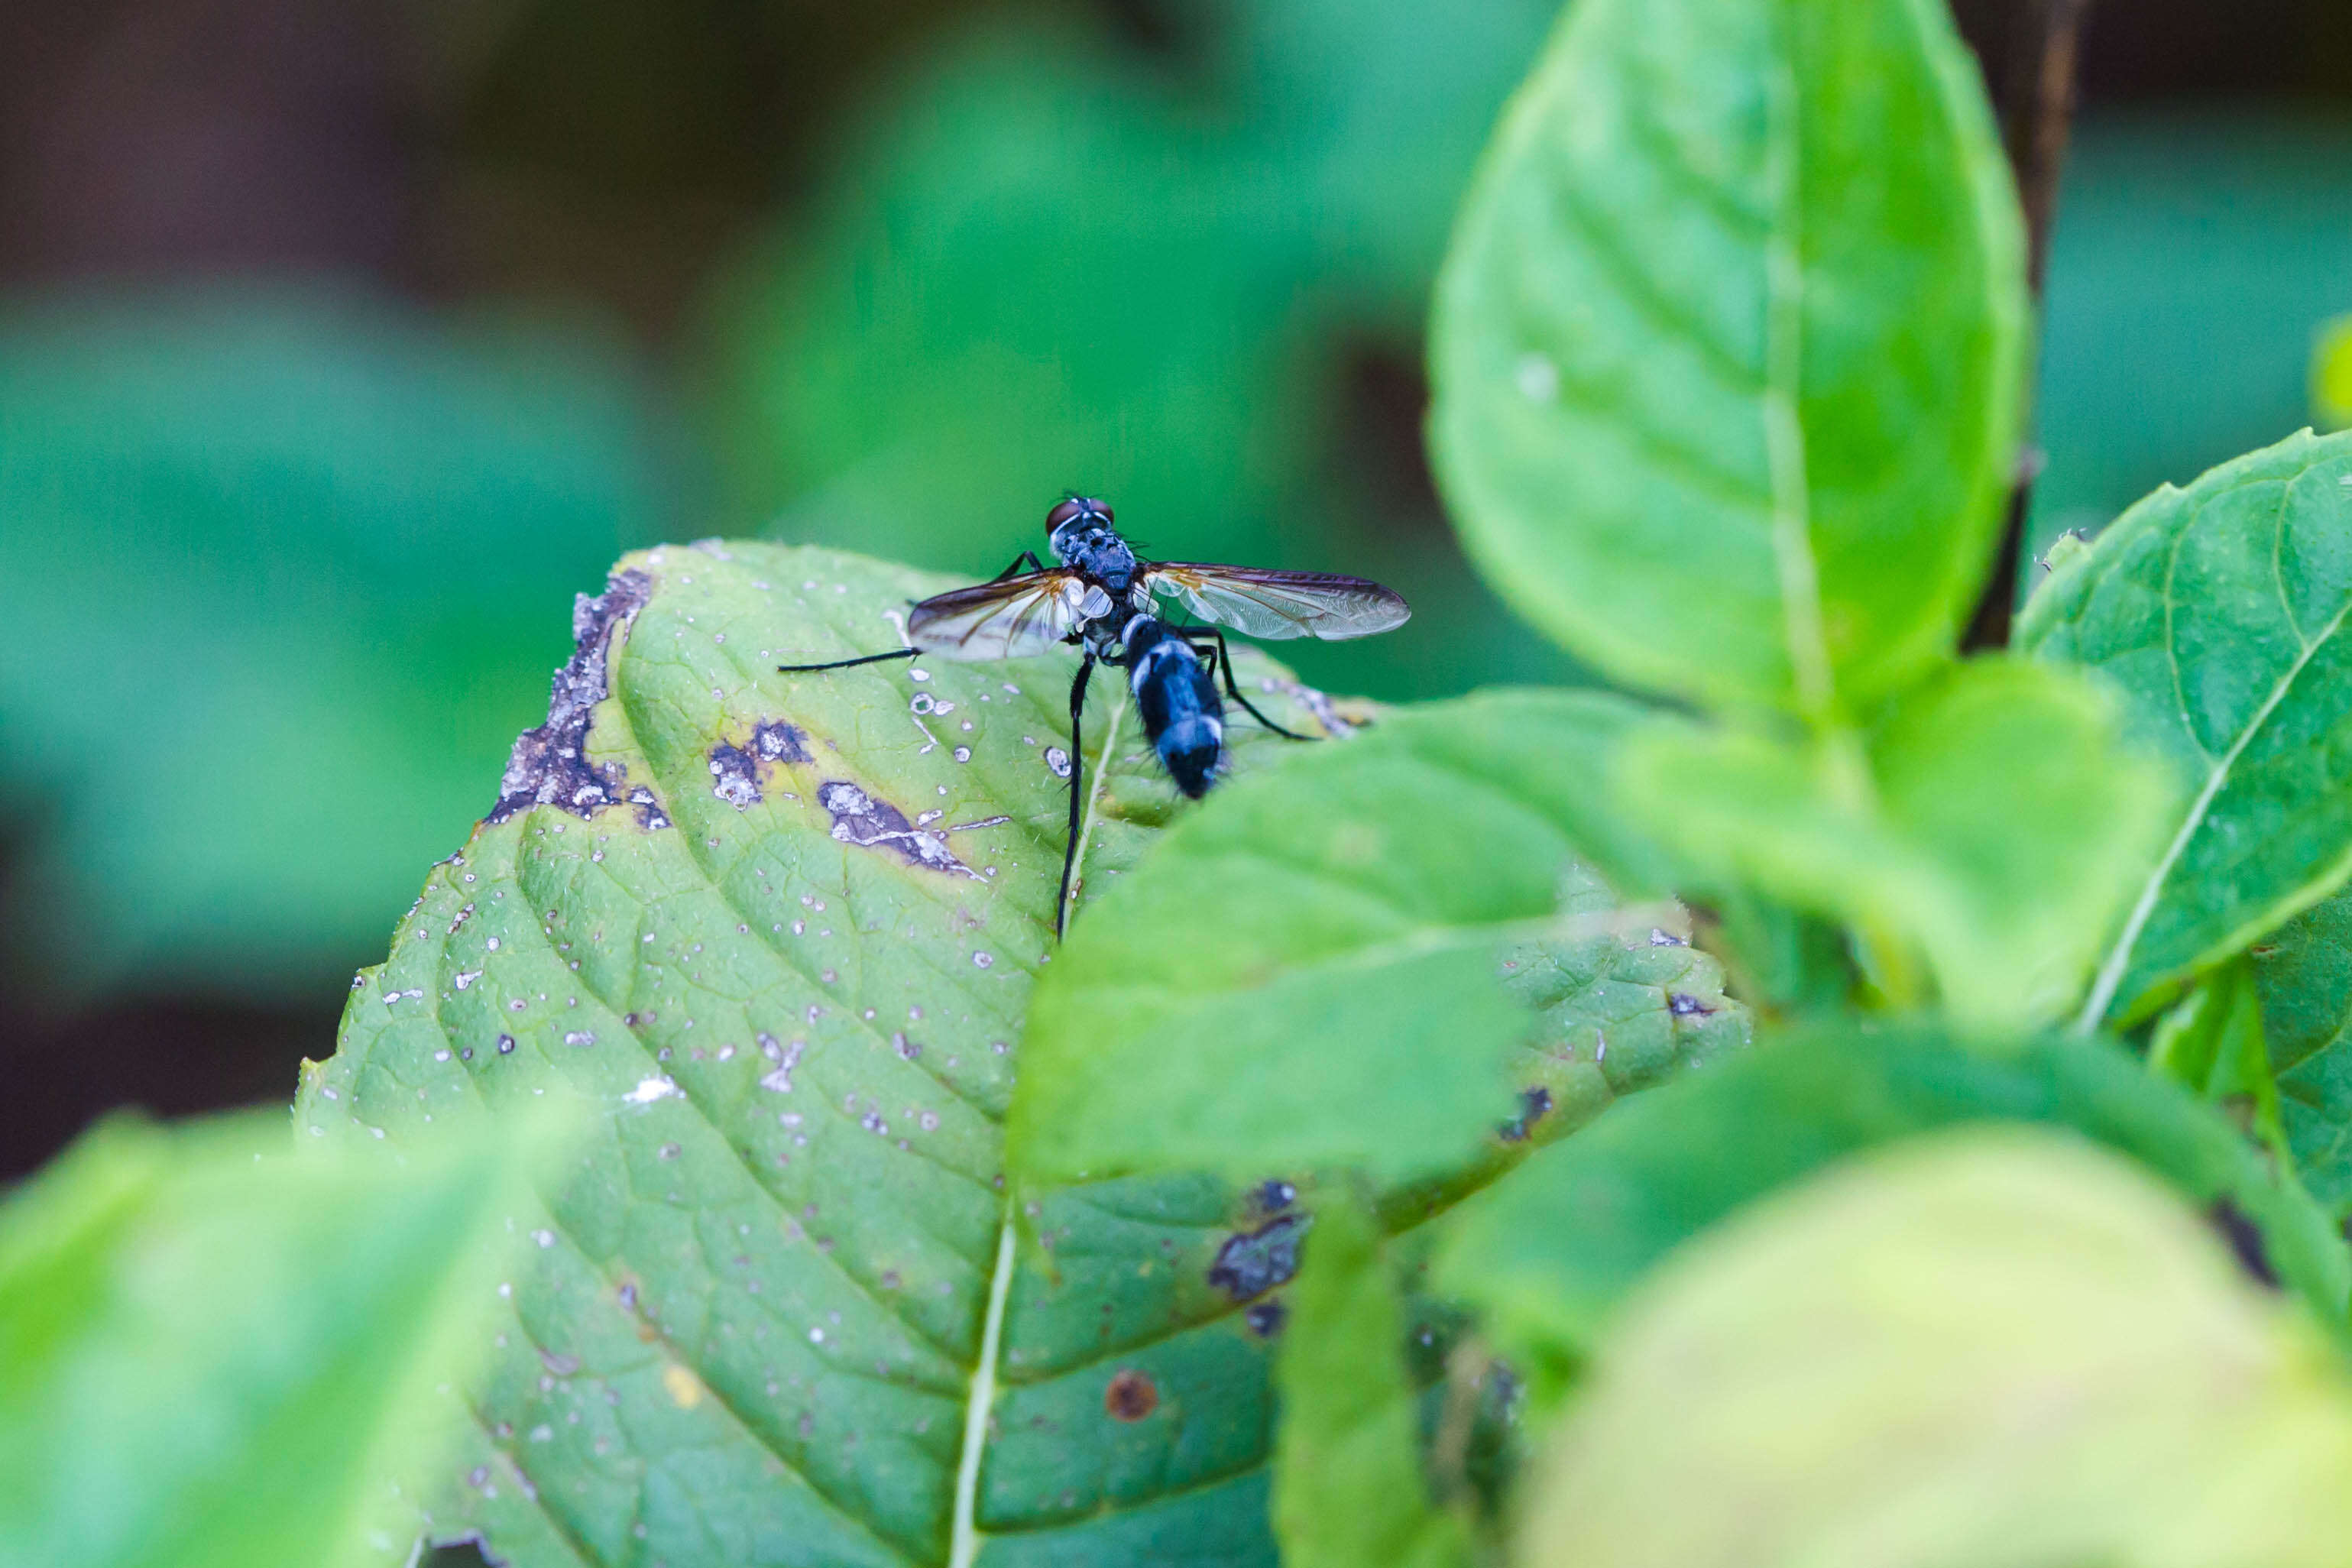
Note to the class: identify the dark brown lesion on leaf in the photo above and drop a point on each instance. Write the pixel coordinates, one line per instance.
(549, 765)
(871, 823)
(1131, 1395)
(738, 773)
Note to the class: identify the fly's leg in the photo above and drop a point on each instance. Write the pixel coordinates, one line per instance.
(1078, 774)
(1026, 558)
(846, 663)
(1223, 661)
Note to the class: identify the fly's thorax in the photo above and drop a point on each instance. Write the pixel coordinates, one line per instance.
(1087, 545)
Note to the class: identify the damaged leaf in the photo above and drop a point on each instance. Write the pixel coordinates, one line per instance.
(781, 930)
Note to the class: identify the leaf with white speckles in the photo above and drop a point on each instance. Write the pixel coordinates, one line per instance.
(782, 927)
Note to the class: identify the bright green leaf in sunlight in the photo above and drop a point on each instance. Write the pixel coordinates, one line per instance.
(214, 1347)
(1348, 1490)
(1992, 821)
(784, 928)
(1728, 349)
(1191, 281)
(2303, 975)
(2219, 612)
(1553, 1251)
(1992, 1347)
(267, 566)
(1310, 972)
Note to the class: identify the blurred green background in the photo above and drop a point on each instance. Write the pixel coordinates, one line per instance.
(342, 340)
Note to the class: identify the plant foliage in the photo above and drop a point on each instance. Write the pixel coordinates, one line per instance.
(900, 1234)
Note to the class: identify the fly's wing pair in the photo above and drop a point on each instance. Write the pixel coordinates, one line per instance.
(1014, 618)
(1276, 605)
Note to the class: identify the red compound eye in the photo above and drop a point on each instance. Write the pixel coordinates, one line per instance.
(1076, 507)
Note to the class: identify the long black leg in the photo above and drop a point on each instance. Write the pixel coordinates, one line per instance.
(1027, 557)
(1225, 663)
(845, 663)
(1078, 772)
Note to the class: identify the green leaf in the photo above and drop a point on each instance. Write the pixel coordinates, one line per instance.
(212, 1349)
(1985, 1347)
(1347, 1484)
(2302, 977)
(2219, 612)
(1727, 351)
(260, 558)
(783, 929)
(1992, 824)
(1308, 975)
(1554, 1250)
(2211, 1044)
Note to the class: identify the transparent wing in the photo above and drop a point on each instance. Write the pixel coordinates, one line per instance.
(1012, 619)
(1274, 604)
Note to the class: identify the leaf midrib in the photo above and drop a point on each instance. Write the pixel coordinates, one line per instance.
(2111, 973)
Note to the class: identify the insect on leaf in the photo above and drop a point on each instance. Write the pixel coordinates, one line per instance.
(780, 929)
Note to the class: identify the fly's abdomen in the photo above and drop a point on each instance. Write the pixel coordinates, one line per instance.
(1177, 703)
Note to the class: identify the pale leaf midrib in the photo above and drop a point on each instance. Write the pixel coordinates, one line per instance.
(2111, 973)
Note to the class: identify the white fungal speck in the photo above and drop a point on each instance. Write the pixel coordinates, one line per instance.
(983, 959)
(653, 1088)
(1057, 762)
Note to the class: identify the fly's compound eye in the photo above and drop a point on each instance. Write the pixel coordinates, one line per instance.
(1101, 509)
(1065, 512)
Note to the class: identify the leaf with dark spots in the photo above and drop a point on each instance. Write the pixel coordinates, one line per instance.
(550, 764)
(750, 1328)
(1253, 1262)
(858, 818)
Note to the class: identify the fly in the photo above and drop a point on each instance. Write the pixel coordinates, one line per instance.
(1104, 599)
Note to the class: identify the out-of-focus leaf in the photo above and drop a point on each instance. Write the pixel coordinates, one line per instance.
(1043, 259)
(785, 927)
(1727, 349)
(2303, 975)
(2211, 1044)
(1553, 1251)
(2219, 612)
(261, 556)
(212, 1349)
(1306, 973)
(2331, 375)
(1993, 1347)
(1993, 822)
(1347, 1484)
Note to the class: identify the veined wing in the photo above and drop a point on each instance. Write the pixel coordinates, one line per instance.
(1013, 618)
(1274, 604)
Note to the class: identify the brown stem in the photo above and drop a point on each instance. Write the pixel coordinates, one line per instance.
(2039, 98)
